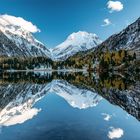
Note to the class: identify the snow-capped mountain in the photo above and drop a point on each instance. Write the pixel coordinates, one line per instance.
(76, 42)
(16, 41)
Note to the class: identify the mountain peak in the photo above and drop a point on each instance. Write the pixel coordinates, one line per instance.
(75, 42)
(80, 34)
(82, 37)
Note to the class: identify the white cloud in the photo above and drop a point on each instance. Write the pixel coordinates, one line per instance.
(18, 21)
(107, 22)
(114, 6)
(115, 133)
(107, 117)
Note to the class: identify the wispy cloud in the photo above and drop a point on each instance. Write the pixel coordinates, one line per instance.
(115, 133)
(19, 21)
(107, 22)
(114, 6)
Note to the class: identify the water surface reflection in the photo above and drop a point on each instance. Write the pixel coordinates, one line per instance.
(69, 106)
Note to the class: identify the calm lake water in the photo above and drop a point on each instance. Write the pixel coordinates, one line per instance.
(69, 106)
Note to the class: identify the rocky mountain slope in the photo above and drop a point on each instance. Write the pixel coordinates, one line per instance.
(128, 39)
(16, 41)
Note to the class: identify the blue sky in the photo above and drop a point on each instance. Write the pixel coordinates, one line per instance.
(58, 18)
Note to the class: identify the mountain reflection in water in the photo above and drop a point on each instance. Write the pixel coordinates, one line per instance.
(20, 92)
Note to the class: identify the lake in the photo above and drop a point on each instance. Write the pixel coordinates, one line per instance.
(69, 106)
